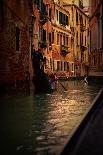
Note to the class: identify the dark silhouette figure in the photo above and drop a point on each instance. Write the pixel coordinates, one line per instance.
(40, 78)
(37, 58)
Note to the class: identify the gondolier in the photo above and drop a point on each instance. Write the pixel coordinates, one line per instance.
(37, 58)
(42, 82)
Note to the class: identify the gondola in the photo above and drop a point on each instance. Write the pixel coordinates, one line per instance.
(42, 82)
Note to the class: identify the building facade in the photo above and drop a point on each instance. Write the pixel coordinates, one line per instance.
(79, 23)
(96, 38)
(62, 51)
(59, 30)
(62, 32)
(15, 19)
(54, 37)
(78, 3)
(42, 30)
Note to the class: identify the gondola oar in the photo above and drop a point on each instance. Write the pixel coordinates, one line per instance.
(54, 77)
(62, 85)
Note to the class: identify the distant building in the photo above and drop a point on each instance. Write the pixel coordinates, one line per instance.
(79, 23)
(62, 50)
(96, 38)
(78, 3)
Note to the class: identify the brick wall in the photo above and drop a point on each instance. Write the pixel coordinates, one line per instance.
(13, 64)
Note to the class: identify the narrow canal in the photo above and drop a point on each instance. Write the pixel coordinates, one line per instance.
(39, 124)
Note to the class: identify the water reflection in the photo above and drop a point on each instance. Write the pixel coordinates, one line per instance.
(41, 123)
(15, 123)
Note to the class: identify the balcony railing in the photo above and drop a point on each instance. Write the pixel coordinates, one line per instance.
(82, 27)
(43, 18)
(64, 50)
(83, 47)
(42, 44)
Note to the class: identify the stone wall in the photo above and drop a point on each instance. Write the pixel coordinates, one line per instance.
(14, 64)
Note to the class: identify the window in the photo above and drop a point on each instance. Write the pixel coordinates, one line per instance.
(42, 7)
(90, 39)
(58, 64)
(57, 39)
(85, 57)
(81, 20)
(52, 37)
(77, 56)
(67, 66)
(64, 66)
(40, 33)
(63, 40)
(61, 65)
(67, 41)
(88, 32)
(60, 39)
(82, 38)
(63, 19)
(77, 38)
(51, 63)
(37, 2)
(49, 39)
(72, 13)
(53, 66)
(67, 20)
(60, 17)
(44, 35)
(76, 17)
(85, 22)
(72, 43)
(57, 14)
(50, 14)
(17, 39)
(82, 57)
(99, 35)
(72, 67)
(85, 41)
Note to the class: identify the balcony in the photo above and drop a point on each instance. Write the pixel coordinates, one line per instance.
(42, 44)
(83, 47)
(43, 19)
(64, 50)
(82, 28)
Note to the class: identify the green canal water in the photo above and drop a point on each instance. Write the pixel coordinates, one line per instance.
(40, 124)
